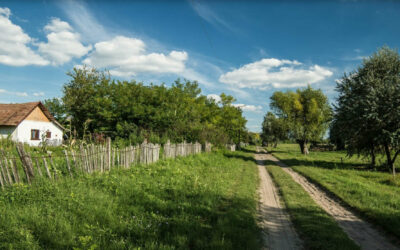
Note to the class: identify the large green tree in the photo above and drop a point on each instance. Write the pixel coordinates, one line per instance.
(368, 108)
(274, 129)
(305, 112)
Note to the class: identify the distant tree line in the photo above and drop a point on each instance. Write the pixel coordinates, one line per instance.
(94, 103)
(365, 120)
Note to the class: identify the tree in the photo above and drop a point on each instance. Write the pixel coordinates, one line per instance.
(132, 111)
(306, 113)
(57, 109)
(368, 107)
(273, 129)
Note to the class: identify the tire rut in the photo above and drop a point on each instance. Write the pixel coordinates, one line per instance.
(360, 231)
(278, 231)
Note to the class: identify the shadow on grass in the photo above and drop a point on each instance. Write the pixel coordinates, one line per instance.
(187, 223)
(240, 156)
(326, 164)
(248, 150)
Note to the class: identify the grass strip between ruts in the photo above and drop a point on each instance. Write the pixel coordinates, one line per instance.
(316, 228)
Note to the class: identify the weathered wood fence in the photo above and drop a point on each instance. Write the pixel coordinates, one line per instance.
(86, 159)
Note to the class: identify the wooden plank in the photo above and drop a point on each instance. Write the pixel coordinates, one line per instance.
(46, 167)
(53, 166)
(68, 164)
(25, 162)
(15, 168)
(38, 167)
(3, 173)
(10, 180)
(15, 171)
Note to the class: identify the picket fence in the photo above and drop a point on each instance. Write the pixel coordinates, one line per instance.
(87, 159)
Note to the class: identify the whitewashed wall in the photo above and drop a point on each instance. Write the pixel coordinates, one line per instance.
(23, 132)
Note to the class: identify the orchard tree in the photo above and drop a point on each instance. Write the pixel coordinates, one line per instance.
(306, 113)
(368, 108)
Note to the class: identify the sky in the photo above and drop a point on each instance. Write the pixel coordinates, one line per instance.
(248, 49)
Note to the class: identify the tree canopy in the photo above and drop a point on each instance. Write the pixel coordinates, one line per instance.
(274, 129)
(133, 111)
(368, 109)
(305, 112)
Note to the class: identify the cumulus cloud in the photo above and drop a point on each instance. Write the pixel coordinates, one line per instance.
(214, 97)
(271, 72)
(251, 108)
(63, 43)
(14, 44)
(125, 57)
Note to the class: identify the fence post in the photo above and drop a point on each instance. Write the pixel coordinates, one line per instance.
(46, 167)
(69, 166)
(108, 153)
(14, 170)
(25, 162)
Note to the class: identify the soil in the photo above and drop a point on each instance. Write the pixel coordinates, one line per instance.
(360, 231)
(278, 231)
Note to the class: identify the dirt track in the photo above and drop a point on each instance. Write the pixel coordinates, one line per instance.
(361, 232)
(278, 232)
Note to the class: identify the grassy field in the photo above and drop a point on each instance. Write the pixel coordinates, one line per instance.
(304, 212)
(372, 193)
(198, 202)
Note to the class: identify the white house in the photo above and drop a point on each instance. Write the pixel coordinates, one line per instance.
(29, 123)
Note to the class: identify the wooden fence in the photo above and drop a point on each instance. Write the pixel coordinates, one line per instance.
(86, 159)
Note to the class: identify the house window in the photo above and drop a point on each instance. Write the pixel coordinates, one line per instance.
(48, 134)
(35, 134)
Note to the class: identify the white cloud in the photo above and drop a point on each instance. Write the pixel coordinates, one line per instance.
(251, 108)
(14, 44)
(84, 21)
(22, 94)
(38, 94)
(3, 91)
(271, 72)
(210, 16)
(214, 97)
(126, 57)
(63, 43)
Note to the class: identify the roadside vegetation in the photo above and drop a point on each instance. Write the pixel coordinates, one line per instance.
(316, 228)
(374, 194)
(94, 105)
(203, 201)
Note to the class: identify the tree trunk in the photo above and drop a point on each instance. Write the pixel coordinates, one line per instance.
(390, 161)
(373, 161)
(303, 147)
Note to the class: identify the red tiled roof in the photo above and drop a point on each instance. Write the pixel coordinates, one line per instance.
(14, 114)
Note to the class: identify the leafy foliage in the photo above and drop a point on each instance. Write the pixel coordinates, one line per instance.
(134, 111)
(305, 112)
(368, 109)
(273, 129)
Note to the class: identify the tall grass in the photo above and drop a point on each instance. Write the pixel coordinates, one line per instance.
(197, 202)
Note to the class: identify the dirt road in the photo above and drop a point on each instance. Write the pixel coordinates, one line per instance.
(278, 232)
(361, 232)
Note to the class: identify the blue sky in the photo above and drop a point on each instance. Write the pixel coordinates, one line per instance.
(248, 49)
